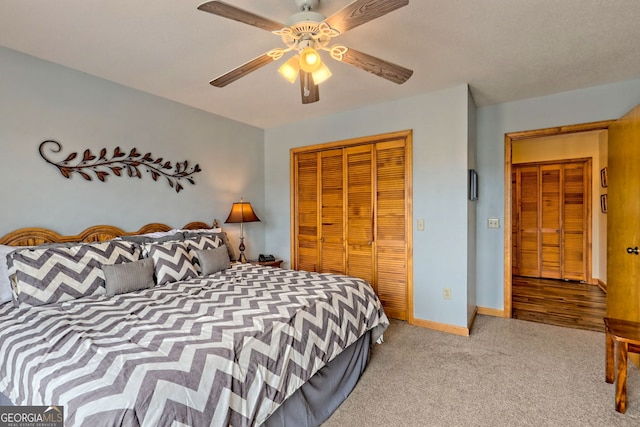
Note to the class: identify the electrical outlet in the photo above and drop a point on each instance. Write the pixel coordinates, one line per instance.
(446, 293)
(493, 223)
(421, 225)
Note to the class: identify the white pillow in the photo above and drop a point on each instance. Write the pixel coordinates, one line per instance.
(203, 230)
(157, 234)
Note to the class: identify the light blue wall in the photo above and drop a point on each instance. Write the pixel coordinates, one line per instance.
(40, 100)
(580, 106)
(439, 121)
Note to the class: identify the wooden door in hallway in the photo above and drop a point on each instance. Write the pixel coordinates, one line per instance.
(551, 219)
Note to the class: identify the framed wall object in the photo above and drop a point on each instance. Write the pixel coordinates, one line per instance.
(603, 203)
(603, 177)
(473, 184)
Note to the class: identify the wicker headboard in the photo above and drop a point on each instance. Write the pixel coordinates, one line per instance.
(98, 233)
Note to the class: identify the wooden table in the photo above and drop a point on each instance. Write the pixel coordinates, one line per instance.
(622, 337)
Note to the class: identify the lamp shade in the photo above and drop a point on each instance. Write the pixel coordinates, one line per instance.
(290, 69)
(321, 74)
(242, 212)
(309, 60)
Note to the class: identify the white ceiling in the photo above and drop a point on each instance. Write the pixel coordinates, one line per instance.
(505, 49)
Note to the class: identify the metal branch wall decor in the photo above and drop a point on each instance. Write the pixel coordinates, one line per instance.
(102, 165)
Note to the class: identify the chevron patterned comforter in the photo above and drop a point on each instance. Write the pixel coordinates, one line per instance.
(226, 349)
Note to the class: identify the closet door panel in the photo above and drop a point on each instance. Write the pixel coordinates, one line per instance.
(550, 221)
(332, 251)
(306, 200)
(391, 280)
(391, 227)
(529, 222)
(360, 220)
(575, 223)
(515, 223)
(550, 256)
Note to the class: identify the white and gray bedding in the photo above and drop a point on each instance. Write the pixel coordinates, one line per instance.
(223, 349)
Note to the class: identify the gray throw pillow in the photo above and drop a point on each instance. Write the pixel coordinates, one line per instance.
(128, 276)
(213, 260)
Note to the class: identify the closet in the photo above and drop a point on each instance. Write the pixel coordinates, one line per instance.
(351, 214)
(551, 219)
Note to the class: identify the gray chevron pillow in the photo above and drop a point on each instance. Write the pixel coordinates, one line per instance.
(62, 273)
(221, 235)
(171, 262)
(201, 243)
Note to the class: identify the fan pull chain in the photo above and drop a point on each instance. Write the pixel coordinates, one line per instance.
(305, 84)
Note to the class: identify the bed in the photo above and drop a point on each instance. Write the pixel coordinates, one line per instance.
(207, 342)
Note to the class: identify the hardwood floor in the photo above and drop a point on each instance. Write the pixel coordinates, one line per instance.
(558, 302)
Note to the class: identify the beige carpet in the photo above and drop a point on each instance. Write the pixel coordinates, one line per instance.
(507, 373)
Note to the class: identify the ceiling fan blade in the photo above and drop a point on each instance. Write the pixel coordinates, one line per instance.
(362, 11)
(242, 70)
(379, 67)
(227, 11)
(309, 90)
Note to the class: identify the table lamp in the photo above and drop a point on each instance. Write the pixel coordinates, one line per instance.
(242, 212)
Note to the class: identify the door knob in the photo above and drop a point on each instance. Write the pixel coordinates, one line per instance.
(632, 250)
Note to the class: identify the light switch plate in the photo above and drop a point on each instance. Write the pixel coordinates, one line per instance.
(421, 225)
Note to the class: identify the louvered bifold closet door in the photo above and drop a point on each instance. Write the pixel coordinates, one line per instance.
(515, 222)
(554, 220)
(575, 221)
(332, 227)
(529, 243)
(551, 221)
(391, 227)
(306, 201)
(360, 216)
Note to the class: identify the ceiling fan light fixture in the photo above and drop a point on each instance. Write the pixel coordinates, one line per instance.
(310, 60)
(321, 74)
(306, 33)
(290, 69)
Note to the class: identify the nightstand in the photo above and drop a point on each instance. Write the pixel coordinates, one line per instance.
(275, 263)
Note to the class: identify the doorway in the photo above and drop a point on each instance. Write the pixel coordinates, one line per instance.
(531, 137)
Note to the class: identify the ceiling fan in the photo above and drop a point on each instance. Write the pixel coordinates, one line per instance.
(307, 32)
